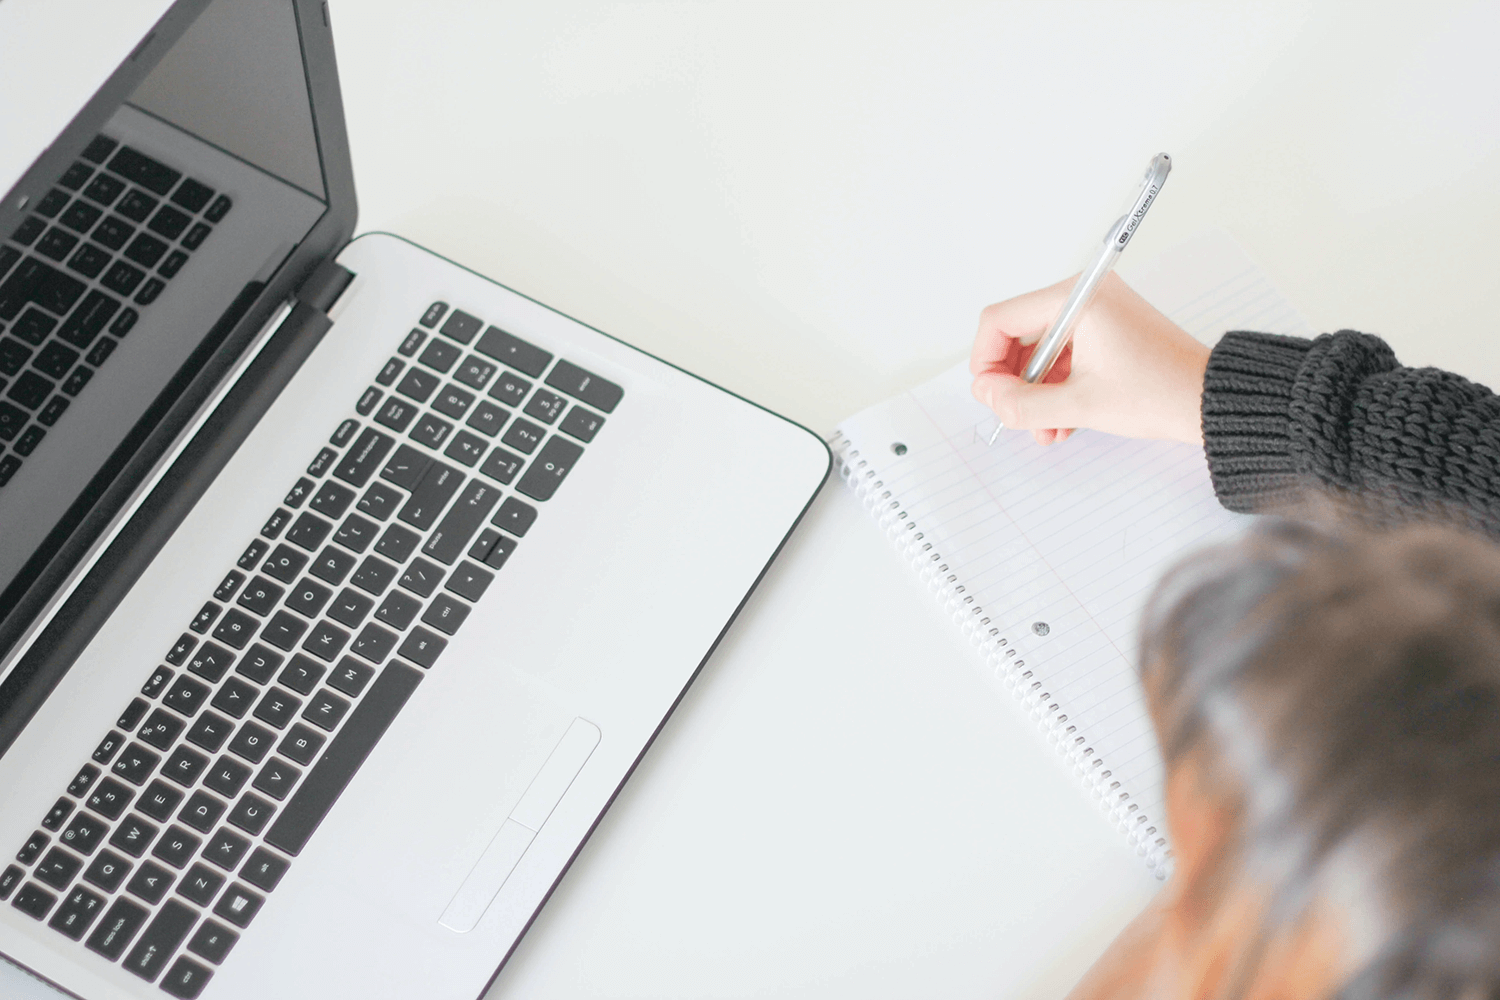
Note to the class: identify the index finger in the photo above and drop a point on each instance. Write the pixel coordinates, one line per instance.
(1005, 326)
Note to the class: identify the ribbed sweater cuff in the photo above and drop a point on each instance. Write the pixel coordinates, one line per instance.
(1247, 393)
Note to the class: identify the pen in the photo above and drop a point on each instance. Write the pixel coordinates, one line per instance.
(1051, 346)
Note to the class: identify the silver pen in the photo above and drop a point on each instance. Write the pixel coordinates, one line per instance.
(1051, 345)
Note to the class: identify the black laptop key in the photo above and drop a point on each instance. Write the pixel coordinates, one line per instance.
(98, 149)
(134, 834)
(283, 630)
(52, 202)
(251, 813)
(122, 278)
(13, 356)
(374, 643)
(524, 436)
(301, 743)
(124, 322)
(109, 799)
(56, 244)
(212, 729)
(373, 575)
(186, 979)
(344, 432)
(276, 778)
(78, 911)
(350, 608)
(422, 577)
(235, 698)
(9, 466)
(326, 641)
(398, 543)
(308, 597)
(388, 374)
(27, 232)
(503, 548)
(107, 871)
(160, 730)
(136, 763)
(515, 517)
(134, 712)
(487, 418)
(332, 565)
(585, 386)
(58, 814)
(364, 458)
(277, 707)
(34, 901)
(440, 355)
(259, 663)
(236, 629)
(229, 586)
(545, 406)
(74, 176)
(159, 800)
(413, 341)
(475, 371)
(192, 195)
(418, 384)
(431, 495)
(469, 581)
(325, 709)
(33, 326)
(29, 439)
(445, 614)
(460, 326)
(252, 742)
(326, 780)
(322, 463)
(549, 469)
(205, 617)
(160, 678)
(253, 554)
(184, 766)
(143, 170)
(8, 258)
(356, 533)
(9, 879)
(84, 834)
(83, 781)
(367, 401)
(160, 940)
(211, 660)
(200, 885)
(380, 501)
(12, 419)
(149, 291)
(510, 389)
(239, 905)
(30, 390)
(186, 696)
(80, 216)
(225, 848)
(513, 351)
(113, 232)
(33, 848)
(433, 314)
(89, 260)
(220, 208)
(169, 267)
(398, 610)
(75, 382)
(201, 812)
(350, 677)
(302, 674)
(308, 531)
(466, 449)
(16, 290)
(453, 534)
(406, 467)
(145, 250)
(227, 777)
(422, 647)
(396, 414)
(453, 401)
(57, 868)
(213, 940)
(285, 563)
(118, 926)
(150, 882)
(108, 747)
(54, 360)
(195, 236)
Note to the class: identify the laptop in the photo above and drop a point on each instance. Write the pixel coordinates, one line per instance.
(341, 588)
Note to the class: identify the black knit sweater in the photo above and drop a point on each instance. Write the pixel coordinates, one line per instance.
(1284, 418)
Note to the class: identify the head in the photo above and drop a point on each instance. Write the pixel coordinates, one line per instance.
(1328, 704)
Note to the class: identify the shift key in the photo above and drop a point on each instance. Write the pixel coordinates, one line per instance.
(432, 494)
(361, 461)
(452, 536)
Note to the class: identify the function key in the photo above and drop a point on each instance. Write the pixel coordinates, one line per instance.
(108, 747)
(218, 209)
(213, 940)
(158, 681)
(58, 814)
(513, 351)
(131, 717)
(461, 326)
(433, 314)
(143, 170)
(28, 231)
(229, 586)
(84, 780)
(124, 322)
(192, 195)
(298, 493)
(179, 653)
(411, 343)
(100, 148)
(274, 525)
(210, 611)
(585, 386)
(581, 423)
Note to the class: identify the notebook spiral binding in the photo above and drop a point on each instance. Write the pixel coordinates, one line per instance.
(1145, 833)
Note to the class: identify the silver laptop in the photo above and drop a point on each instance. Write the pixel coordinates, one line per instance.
(341, 588)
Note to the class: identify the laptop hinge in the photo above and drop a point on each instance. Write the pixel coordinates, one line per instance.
(323, 288)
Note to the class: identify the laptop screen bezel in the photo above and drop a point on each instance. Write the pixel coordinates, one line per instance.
(106, 501)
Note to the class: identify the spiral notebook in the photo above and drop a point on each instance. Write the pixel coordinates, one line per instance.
(1045, 557)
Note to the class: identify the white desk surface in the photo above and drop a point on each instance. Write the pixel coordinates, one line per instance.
(809, 204)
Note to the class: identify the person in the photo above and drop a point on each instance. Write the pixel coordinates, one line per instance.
(1326, 689)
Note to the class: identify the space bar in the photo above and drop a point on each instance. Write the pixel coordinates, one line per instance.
(326, 781)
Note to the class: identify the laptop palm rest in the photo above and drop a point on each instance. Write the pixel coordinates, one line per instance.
(516, 833)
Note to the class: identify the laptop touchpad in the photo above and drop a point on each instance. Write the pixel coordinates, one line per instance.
(516, 833)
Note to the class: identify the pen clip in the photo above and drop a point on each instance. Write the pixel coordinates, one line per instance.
(1156, 176)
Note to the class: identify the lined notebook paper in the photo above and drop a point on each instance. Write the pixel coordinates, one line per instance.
(1046, 556)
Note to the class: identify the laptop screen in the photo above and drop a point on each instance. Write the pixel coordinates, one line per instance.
(128, 271)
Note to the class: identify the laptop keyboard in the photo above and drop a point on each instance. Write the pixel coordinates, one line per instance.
(169, 841)
(97, 248)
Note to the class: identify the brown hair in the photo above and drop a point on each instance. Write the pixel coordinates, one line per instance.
(1349, 684)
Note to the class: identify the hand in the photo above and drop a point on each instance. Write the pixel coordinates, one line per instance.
(1128, 370)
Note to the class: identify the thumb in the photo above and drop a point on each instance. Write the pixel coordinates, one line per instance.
(1023, 405)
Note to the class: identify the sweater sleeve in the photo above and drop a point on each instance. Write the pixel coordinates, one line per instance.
(1283, 416)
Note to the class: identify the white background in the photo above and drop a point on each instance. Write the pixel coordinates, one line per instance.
(809, 204)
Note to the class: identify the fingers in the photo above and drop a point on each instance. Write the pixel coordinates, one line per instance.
(1026, 406)
(1004, 326)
